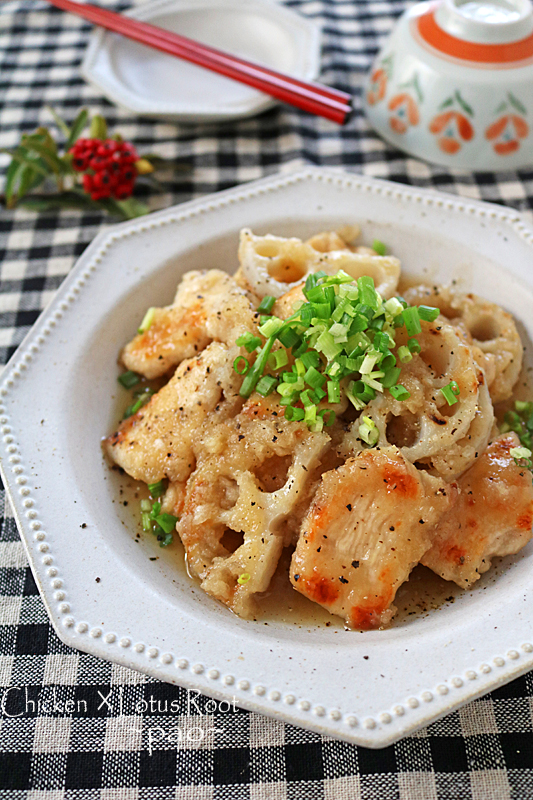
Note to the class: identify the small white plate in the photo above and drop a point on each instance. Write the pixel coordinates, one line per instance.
(154, 84)
(58, 397)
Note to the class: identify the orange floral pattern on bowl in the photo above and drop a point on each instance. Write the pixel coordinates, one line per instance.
(506, 133)
(405, 112)
(452, 129)
(378, 86)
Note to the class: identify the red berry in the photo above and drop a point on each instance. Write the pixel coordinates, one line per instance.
(87, 183)
(124, 190)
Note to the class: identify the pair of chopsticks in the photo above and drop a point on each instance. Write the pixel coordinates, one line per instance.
(312, 97)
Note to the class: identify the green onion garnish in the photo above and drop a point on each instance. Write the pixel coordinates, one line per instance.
(241, 365)
(450, 392)
(412, 320)
(166, 521)
(343, 330)
(266, 385)
(157, 489)
(249, 341)
(243, 578)
(428, 313)
(404, 354)
(399, 392)
(520, 452)
(378, 247)
(265, 306)
(129, 379)
(147, 320)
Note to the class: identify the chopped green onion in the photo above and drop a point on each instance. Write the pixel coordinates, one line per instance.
(328, 416)
(399, 392)
(334, 392)
(249, 341)
(128, 379)
(310, 414)
(265, 306)
(146, 521)
(166, 521)
(294, 414)
(266, 385)
(393, 307)
(390, 377)
(414, 345)
(314, 378)
(367, 292)
(241, 365)
(368, 431)
(253, 375)
(157, 489)
(428, 313)
(379, 247)
(146, 505)
(450, 392)
(131, 410)
(271, 327)
(147, 320)
(243, 578)
(412, 320)
(328, 346)
(522, 406)
(278, 359)
(289, 338)
(404, 354)
(519, 453)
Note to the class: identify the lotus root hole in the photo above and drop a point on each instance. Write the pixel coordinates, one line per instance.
(273, 472)
(232, 540)
(485, 329)
(403, 431)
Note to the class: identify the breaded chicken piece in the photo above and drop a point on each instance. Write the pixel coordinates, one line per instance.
(370, 522)
(160, 440)
(245, 501)
(492, 516)
(209, 306)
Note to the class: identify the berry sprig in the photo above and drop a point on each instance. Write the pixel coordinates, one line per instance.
(98, 171)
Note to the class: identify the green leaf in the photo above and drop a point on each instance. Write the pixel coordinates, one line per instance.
(98, 127)
(72, 199)
(77, 126)
(132, 208)
(59, 122)
(43, 148)
(516, 103)
(464, 105)
(23, 174)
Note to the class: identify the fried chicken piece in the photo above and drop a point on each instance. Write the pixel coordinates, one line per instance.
(161, 439)
(209, 306)
(370, 522)
(492, 516)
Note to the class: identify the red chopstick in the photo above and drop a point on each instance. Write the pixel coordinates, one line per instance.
(312, 97)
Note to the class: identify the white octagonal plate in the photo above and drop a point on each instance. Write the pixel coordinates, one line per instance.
(105, 596)
(154, 84)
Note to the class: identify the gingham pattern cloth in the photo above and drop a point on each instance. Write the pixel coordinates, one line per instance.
(72, 726)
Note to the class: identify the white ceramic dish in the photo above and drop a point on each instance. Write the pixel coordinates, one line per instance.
(454, 84)
(153, 84)
(56, 402)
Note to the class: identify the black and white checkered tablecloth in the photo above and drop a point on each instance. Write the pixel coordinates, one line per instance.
(49, 748)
